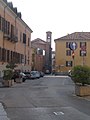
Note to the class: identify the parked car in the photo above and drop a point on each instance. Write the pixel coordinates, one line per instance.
(35, 74)
(28, 75)
(23, 76)
(69, 73)
(41, 74)
(19, 75)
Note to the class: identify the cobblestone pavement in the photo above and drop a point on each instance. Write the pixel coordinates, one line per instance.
(48, 98)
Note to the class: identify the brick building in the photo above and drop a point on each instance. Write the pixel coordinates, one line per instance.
(42, 54)
(38, 56)
(15, 38)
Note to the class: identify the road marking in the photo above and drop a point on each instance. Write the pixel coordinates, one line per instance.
(58, 113)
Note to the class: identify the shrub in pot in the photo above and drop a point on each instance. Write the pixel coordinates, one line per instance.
(8, 74)
(81, 77)
(7, 78)
(81, 74)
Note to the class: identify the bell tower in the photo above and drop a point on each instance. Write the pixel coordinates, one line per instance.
(48, 53)
(48, 37)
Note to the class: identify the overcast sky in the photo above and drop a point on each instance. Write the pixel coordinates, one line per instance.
(61, 17)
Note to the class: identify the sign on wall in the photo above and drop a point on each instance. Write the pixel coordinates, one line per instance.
(73, 45)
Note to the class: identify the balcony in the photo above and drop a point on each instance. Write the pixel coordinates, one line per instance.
(14, 38)
(11, 38)
(6, 36)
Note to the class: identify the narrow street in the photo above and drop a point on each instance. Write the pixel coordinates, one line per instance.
(47, 98)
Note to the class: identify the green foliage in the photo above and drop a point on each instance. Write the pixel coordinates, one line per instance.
(11, 65)
(8, 74)
(81, 74)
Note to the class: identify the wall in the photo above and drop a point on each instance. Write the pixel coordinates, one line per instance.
(61, 58)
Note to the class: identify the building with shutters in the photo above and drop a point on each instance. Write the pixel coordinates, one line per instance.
(15, 38)
(72, 49)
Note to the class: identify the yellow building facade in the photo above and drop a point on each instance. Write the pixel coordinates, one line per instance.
(15, 38)
(66, 57)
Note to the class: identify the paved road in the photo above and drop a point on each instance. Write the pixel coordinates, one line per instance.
(48, 98)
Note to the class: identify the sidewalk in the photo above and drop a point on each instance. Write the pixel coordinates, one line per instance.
(87, 98)
(3, 114)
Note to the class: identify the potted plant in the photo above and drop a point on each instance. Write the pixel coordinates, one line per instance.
(7, 78)
(81, 77)
(8, 74)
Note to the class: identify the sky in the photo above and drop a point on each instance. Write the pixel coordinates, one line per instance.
(61, 17)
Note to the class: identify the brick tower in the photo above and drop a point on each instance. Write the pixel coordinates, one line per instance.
(48, 54)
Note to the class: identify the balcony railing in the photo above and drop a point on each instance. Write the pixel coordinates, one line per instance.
(12, 38)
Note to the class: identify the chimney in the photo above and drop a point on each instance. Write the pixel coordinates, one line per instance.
(10, 5)
(15, 10)
(5, 1)
(19, 14)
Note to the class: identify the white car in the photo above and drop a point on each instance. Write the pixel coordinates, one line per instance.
(35, 74)
(23, 76)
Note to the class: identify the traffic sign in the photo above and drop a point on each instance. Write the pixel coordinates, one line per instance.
(73, 45)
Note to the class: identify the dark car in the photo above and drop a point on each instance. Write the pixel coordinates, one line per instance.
(28, 75)
(41, 74)
(19, 75)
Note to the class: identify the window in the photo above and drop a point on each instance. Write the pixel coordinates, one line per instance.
(22, 59)
(82, 53)
(5, 27)
(12, 31)
(20, 36)
(8, 52)
(25, 59)
(68, 52)
(8, 28)
(83, 48)
(82, 44)
(16, 33)
(67, 44)
(24, 38)
(68, 63)
(3, 54)
(3, 24)
(11, 55)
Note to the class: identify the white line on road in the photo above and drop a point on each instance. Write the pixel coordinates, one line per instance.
(58, 113)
